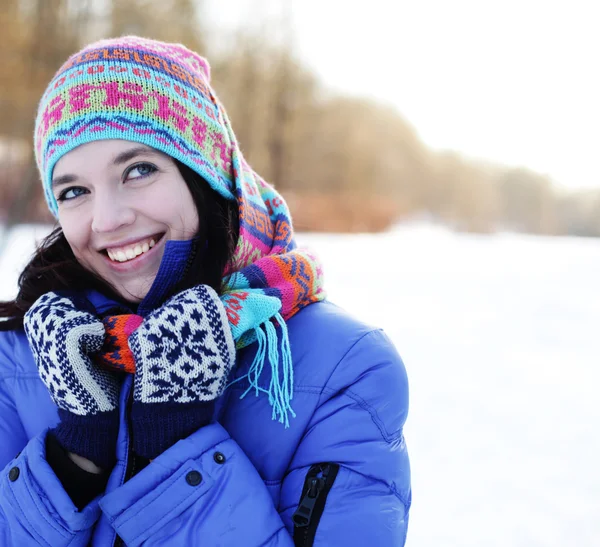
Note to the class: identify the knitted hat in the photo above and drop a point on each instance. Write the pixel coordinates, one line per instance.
(158, 94)
(139, 90)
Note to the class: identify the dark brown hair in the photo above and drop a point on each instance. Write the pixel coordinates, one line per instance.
(54, 267)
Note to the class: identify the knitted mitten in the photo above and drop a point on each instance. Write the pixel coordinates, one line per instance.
(62, 335)
(184, 352)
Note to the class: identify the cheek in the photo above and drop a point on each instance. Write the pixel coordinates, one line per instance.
(76, 237)
(191, 221)
(189, 213)
(175, 208)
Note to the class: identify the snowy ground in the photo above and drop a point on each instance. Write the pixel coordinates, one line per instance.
(499, 335)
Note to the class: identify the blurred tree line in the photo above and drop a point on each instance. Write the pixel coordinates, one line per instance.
(343, 163)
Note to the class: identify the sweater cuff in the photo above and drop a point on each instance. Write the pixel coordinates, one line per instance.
(92, 437)
(158, 426)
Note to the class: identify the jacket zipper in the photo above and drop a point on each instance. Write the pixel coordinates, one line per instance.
(130, 468)
(306, 518)
(134, 463)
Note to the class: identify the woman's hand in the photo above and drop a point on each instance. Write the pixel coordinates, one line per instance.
(184, 352)
(62, 336)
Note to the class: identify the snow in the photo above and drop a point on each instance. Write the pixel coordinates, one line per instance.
(499, 335)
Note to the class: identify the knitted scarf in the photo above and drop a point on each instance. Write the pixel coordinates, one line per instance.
(159, 94)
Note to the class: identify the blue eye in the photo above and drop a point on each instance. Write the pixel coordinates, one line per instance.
(140, 170)
(71, 193)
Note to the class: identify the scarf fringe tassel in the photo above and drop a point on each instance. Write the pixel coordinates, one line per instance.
(281, 387)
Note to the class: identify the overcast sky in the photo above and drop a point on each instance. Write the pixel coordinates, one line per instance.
(514, 81)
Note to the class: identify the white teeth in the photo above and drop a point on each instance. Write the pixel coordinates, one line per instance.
(128, 254)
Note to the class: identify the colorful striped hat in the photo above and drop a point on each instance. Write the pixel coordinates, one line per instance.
(157, 94)
(140, 90)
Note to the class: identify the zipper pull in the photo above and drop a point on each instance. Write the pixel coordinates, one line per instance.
(303, 514)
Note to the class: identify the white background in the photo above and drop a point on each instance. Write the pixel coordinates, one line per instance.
(513, 81)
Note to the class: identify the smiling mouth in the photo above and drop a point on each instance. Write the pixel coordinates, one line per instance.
(131, 252)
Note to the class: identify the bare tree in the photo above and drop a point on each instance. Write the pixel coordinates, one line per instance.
(282, 98)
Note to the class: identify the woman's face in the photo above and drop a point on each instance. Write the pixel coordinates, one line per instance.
(118, 204)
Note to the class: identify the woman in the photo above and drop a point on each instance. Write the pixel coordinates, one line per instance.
(171, 371)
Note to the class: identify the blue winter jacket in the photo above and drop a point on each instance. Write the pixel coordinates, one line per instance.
(338, 476)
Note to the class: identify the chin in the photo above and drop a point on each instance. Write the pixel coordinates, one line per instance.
(133, 295)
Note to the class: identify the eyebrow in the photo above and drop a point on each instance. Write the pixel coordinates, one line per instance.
(119, 159)
(128, 155)
(63, 179)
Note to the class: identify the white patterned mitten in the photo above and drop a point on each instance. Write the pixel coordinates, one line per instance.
(184, 352)
(62, 335)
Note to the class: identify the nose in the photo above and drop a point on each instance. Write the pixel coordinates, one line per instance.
(111, 213)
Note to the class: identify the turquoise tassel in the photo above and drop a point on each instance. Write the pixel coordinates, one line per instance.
(281, 387)
(288, 369)
(257, 365)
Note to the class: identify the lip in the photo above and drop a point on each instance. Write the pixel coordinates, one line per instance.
(137, 262)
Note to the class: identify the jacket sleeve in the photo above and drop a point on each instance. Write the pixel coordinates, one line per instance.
(204, 490)
(34, 509)
(12, 435)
